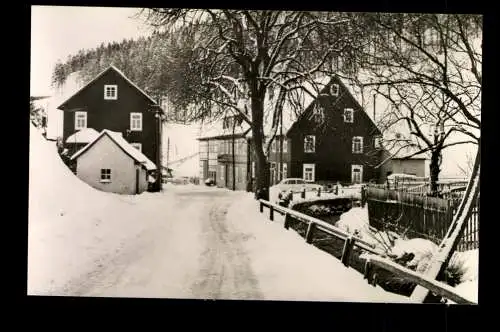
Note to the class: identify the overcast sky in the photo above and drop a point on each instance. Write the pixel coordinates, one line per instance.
(59, 31)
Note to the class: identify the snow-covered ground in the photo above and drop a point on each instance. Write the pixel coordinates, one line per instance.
(74, 228)
(186, 242)
(355, 221)
(311, 273)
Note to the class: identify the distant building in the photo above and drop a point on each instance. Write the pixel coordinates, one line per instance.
(401, 161)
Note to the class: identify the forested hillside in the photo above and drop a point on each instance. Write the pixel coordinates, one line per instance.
(144, 61)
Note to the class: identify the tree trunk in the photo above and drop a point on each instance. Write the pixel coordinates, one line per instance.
(262, 166)
(434, 172)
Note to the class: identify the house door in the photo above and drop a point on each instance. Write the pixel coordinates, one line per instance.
(205, 169)
(356, 174)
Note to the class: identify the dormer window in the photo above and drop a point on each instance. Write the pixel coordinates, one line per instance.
(309, 144)
(317, 110)
(334, 90)
(348, 115)
(110, 92)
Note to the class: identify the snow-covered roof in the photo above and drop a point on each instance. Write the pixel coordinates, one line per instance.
(403, 152)
(112, 67)
(214, 129)
(123, 144)
(85, 135)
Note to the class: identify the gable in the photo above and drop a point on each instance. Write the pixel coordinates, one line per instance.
(105, 151)
(332, 108)
(94, 88)
(122, 144)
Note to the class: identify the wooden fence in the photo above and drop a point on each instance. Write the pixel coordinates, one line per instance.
(377, 257)
(416, 215)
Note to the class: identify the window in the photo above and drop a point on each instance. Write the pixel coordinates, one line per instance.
(349, 115)
(357, 144)
(105, 175)
(285, 145)
(334, 90)
(273, 146)
(357, 173)
(377, 142)
(138, 146)
(136, 121)
(110, 92)
(253, 169)
(80, 120)
(309, 143)
(308, 172)
(285, 171)
(212, 175)
(317, 110)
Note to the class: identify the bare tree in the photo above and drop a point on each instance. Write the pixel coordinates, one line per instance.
(469, 165)
(234, 58)
(428, 69)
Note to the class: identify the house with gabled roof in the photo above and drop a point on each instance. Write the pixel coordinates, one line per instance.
(112, 101)
(325, 142)
(109, 163)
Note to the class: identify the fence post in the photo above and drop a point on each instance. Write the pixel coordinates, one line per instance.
(310, 231)
(363, 196)
(303, 193)
(368, 270)
(271, 213)
(261, 207)
(287, 221)
(346, 252)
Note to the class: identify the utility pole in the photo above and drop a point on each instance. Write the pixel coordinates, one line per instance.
(158, 146)
(233, 152)
(168, 151)
(281, 146)
(374, 100)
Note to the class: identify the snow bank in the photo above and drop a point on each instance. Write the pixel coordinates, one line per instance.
(72, 226)
(290, 269)
(469, 260)
(468, 289)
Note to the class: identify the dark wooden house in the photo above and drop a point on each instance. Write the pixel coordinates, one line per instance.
(333, 140)
(112, 101)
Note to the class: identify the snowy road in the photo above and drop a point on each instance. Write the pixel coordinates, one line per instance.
(193, 253)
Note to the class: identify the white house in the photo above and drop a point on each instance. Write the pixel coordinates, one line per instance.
(109, 163)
